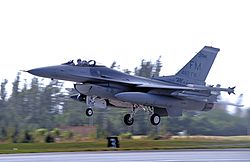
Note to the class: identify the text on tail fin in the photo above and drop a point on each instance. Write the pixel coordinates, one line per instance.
(199, 66)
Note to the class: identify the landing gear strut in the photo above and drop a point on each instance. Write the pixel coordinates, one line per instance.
(90, 101)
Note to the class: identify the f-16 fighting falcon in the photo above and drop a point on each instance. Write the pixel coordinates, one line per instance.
(99, 86)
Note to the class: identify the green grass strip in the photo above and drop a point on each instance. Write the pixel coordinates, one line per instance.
(124, 145)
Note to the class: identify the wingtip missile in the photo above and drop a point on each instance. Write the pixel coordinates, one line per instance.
(229, 90)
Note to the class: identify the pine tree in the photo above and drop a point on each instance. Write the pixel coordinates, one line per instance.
(248, 121)
(3, 92)
(73, 113)
(12, 118)
(3, 108)
(157, 67)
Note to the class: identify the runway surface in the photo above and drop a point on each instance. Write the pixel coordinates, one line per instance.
(226, 155)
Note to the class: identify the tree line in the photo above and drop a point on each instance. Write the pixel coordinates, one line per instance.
(36, 105)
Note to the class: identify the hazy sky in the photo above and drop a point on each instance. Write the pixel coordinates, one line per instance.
(49, 32)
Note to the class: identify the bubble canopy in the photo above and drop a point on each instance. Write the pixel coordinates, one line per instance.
(83, 63)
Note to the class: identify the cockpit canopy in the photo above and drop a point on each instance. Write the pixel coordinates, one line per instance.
(83, 63)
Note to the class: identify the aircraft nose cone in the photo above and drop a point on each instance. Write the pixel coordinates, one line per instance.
(34, 71)
(42, 72)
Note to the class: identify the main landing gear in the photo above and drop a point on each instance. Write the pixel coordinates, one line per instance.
(128, 119)
(155, 119)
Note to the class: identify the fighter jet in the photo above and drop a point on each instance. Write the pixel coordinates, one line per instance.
(99, 86)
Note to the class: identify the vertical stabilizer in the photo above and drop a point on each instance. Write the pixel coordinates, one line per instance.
(199, 66)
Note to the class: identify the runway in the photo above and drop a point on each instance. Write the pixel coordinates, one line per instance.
(217, 155)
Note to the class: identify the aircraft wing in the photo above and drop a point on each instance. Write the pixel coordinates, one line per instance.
(142, 84)
(152, 84)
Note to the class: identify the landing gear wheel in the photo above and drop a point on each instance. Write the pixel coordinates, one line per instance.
(89, 112)
(128, 120)
(155, 119)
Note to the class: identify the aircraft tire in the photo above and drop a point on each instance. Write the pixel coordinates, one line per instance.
(127, 120)
(155, 119)
(89, 112)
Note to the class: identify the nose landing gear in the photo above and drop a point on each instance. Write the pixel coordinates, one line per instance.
(89, 111)
(90, 101)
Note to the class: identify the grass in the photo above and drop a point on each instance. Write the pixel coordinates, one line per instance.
(139, 144)
(51, 147)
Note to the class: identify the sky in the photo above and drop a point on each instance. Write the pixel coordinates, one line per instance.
(49, 32)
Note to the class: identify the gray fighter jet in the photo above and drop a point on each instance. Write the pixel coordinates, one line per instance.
(100, 86)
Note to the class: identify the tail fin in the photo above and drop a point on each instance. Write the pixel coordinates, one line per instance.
(199, 66)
